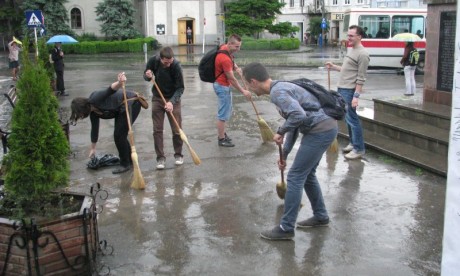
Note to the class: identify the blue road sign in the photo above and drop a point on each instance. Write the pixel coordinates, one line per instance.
(34, 18)
(323, 25)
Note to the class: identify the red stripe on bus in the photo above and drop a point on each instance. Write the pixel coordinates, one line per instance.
(390, 44)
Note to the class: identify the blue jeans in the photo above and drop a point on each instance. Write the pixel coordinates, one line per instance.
(224, 101)
(302, 175)
(355, 131)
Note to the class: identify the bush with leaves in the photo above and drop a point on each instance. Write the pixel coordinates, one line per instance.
(37, 163)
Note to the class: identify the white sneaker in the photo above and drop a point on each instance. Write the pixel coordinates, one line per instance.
(354, 155)
(179, 160)
(161, 164)
(347, 148)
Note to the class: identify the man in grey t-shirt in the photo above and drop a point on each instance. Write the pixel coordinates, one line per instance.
(352, 78)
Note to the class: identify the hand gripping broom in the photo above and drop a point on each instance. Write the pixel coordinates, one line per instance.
(195, 157)
(138, 180)
(335, 144)
(265, 130)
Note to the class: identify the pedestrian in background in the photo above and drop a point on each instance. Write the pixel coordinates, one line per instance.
(318, 131)
(189, 35)
(58, 58)
(224, 67)
(169, 78)
(409, 69)
(109, 104)
(352, 77)
(13, 57)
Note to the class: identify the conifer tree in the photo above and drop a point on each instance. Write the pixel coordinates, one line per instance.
(37, 162)
(117, 17)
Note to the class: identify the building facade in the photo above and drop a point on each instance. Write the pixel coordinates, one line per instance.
(166, 20)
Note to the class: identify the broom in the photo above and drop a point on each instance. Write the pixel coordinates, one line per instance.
(335, 144)
(265, 130)
(195, 157)
(138, 180)
(281, 186)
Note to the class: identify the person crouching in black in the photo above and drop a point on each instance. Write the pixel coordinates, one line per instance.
(109, 104)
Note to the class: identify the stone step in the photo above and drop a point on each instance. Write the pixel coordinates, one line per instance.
(424, 112)
(421, 135)
(433, 162)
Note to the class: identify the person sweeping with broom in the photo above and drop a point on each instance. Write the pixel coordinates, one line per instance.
(109, 104)
(224, 66)
(302, 111)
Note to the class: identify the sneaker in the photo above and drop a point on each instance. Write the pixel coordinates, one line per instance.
(225, 143)
(179, 160)
(354, 155)
(348, 148)
(121, 169)
(277, 233)
(227, 137)
(161, 164)
(312, 222)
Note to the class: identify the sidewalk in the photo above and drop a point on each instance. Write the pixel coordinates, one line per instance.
(386, 216)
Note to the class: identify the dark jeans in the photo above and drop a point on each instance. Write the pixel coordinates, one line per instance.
(60, 81)
(120, 133)
(158, 117)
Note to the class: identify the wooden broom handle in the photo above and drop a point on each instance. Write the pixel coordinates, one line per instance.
(164, 101)
(127, 113)
(329, 78)
(282, 161)
(252, 102)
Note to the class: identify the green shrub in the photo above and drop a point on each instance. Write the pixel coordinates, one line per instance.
(270, 44)
(37, 163)
(98, 47)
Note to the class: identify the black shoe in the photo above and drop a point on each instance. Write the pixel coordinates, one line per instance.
(277, 234)
(312, 222)
(121, 169)
(225, 143)
(226, 137)
(63, 93)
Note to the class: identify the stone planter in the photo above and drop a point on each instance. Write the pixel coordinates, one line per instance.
(64, 246)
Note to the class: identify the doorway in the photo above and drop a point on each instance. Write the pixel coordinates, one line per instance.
(186, 31)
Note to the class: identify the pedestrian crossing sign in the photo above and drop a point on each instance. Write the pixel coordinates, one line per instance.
(34, 18)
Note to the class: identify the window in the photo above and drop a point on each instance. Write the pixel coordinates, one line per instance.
(407, 24)
(375, 26)
(75, 18)
(335, 2)
(291, 3)
(347, 2)
(359, 2)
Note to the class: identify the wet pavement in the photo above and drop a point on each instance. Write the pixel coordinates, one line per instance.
(386, 215)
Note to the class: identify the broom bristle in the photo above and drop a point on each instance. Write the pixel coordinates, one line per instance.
(281, 189)
(265, 131)
(195, 157)
(138, 180)
(334, 146)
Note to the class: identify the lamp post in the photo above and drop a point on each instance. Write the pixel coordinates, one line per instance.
(222, 19)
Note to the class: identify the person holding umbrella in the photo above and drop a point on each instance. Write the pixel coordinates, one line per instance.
(109, 104)
(13, 48)
(57, 55)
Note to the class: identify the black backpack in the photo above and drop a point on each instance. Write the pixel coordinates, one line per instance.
(331, 102)
(206, 68)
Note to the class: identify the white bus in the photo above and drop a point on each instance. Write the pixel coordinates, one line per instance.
(380, 25)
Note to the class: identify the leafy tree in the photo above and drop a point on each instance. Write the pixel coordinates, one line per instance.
(314, 26)
(118, 19)
(37, 162)
(250, 17)
(283, 29)
(55, 14)
(11, 17)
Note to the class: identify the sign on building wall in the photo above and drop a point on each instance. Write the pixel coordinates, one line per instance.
(160, 29)
(337, 16)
